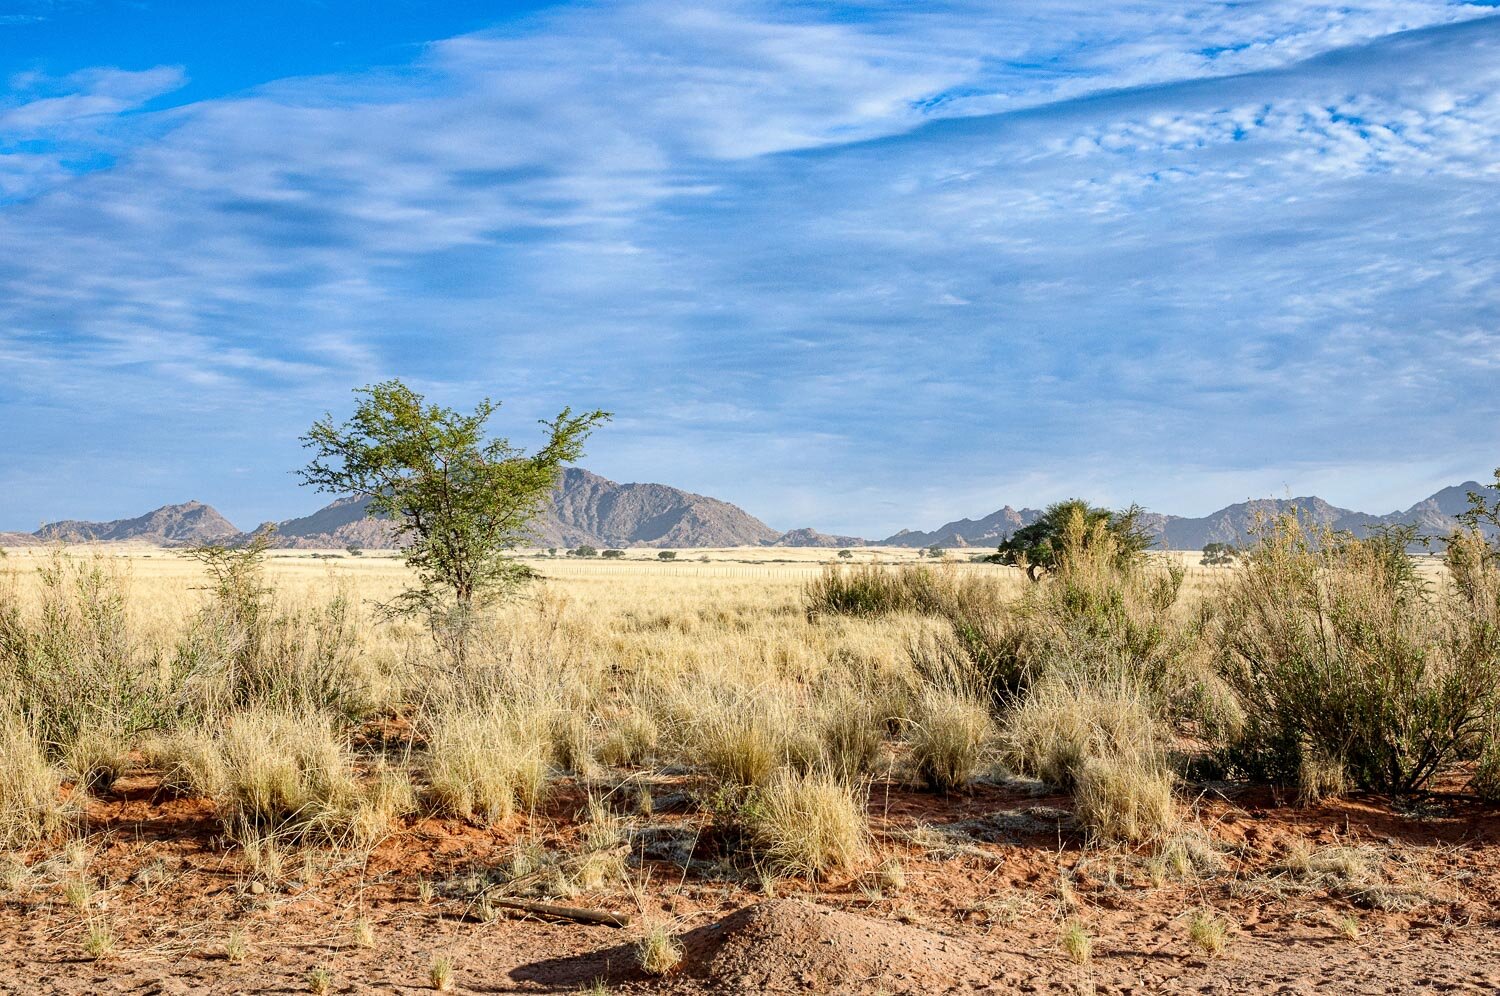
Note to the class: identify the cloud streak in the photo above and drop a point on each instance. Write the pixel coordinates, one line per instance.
(809, 260)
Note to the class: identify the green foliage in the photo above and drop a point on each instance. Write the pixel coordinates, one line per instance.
(72, 669)
(614, 554)
(1482, 512)
(1219, 554)
(583, 551)
(845, 554)
(248, 651)
(1338, 653)
(1036, 548)
(459, 501)
(667, 555)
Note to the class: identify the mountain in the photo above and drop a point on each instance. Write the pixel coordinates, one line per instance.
(171, 525)
(584, 509)
(587, 508)
(1436, 515)
(811, 537)
(342, 523)
(988, 531)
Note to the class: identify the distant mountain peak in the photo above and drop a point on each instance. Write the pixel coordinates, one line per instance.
(184, 524)
(585, 508)
(1236, 524)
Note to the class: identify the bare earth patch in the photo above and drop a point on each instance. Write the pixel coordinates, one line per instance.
(1344, 898)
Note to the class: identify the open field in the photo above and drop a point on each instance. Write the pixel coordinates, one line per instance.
(786, 780)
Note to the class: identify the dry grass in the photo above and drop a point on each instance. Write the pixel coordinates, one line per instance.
(29, 805)
(659, 952)
(808, 824)
(712, 674)
(950, 730)
(483, 764)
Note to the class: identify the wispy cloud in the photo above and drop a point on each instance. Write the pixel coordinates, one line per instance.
(809, 255)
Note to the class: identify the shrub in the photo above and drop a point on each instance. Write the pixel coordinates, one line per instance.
(1336, 649)
(1125, 798)
(1068, 526)
(482, 763)
(866, 590)
(614, 554)
(72, 669)
(948, 735)
(30, 808)
(808, 824)
(245, 652)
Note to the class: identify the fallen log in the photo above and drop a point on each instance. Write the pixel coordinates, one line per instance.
(573, 913)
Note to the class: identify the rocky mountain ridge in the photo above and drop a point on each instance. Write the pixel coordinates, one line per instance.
(1436, 515)
(588, 509)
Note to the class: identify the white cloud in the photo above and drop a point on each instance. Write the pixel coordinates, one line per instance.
(847, 252)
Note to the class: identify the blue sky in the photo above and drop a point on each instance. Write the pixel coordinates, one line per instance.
(855, 266)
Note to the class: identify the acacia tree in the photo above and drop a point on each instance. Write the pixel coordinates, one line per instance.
(459, 501)
(1035, 548)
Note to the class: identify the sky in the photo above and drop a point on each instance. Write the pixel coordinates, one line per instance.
(855, 266)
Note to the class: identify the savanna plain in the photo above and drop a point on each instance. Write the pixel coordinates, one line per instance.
(764, 774)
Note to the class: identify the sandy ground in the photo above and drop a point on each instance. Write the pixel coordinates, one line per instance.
(990, 877)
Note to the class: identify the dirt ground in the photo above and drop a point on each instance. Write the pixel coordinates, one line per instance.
(1347, 897)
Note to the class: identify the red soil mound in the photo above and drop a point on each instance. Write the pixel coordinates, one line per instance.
(791, 945)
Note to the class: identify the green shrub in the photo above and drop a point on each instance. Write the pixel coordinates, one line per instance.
(1336, 649)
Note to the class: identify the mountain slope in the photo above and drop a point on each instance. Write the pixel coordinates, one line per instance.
(171, 525)
(584, 509)
(587, 508)
(1435, 515)
(988, 531)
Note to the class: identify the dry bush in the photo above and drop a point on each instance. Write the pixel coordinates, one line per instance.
(949, 733)
(483, 763)
(1356, 873)
(30, 807)
(96, 759)
(852, 732)
(246, 650)
(1103, 739)
(288, 774)
(865, 590)
(630, 737)
(73, 667)
(1099, 615)
(1125, 798)
(808, 824)
(659, 952)
(1066, 720)
(1208, 931)
(1335, 648)
(189, 762)
(744, 736)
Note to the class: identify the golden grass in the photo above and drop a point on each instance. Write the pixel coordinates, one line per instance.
(29, 804)
(713, 669)
(809, 824)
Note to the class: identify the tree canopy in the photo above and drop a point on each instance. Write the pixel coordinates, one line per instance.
(459, 500)
(1036, 547)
